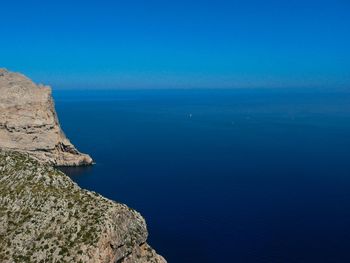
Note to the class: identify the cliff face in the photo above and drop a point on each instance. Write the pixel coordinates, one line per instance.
(46, 217)
(28, 122)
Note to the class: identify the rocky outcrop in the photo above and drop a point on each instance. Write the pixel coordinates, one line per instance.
(29, 123)
(46, 217)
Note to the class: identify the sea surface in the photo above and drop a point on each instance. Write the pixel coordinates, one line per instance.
(241, 176)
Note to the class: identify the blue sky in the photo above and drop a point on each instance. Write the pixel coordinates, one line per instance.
(178, 44)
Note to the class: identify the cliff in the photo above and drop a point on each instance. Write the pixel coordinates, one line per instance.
(29, 123)
(46, 217)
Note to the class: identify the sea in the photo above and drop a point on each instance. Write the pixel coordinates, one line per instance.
(221, 175)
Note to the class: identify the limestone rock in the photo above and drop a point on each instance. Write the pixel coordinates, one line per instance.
(29, 123)
(46, 217)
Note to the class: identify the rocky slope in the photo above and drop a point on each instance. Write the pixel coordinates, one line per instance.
(28, 122)
(46, 217)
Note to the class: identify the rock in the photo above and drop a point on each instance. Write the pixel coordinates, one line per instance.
(46, 217)
(29, 123)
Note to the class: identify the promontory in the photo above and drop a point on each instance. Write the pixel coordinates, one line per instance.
(44, 216)
(29, 123)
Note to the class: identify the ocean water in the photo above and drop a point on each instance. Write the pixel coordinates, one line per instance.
(222, 175)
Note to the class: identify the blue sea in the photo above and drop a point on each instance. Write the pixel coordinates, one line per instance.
(241, 176)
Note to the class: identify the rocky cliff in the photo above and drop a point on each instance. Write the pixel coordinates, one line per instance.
(46, 217)
(28, 122)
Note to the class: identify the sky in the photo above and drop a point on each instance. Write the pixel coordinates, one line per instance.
(178, 44)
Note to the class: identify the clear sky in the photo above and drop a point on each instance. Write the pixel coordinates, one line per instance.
(186, 44)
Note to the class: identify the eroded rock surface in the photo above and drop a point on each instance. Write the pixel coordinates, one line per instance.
(46, 217)
(29, 123)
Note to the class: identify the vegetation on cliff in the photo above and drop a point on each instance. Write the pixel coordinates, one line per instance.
(46, 217)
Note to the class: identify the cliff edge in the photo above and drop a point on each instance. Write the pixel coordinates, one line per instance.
(46, 217)
(29, 123)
